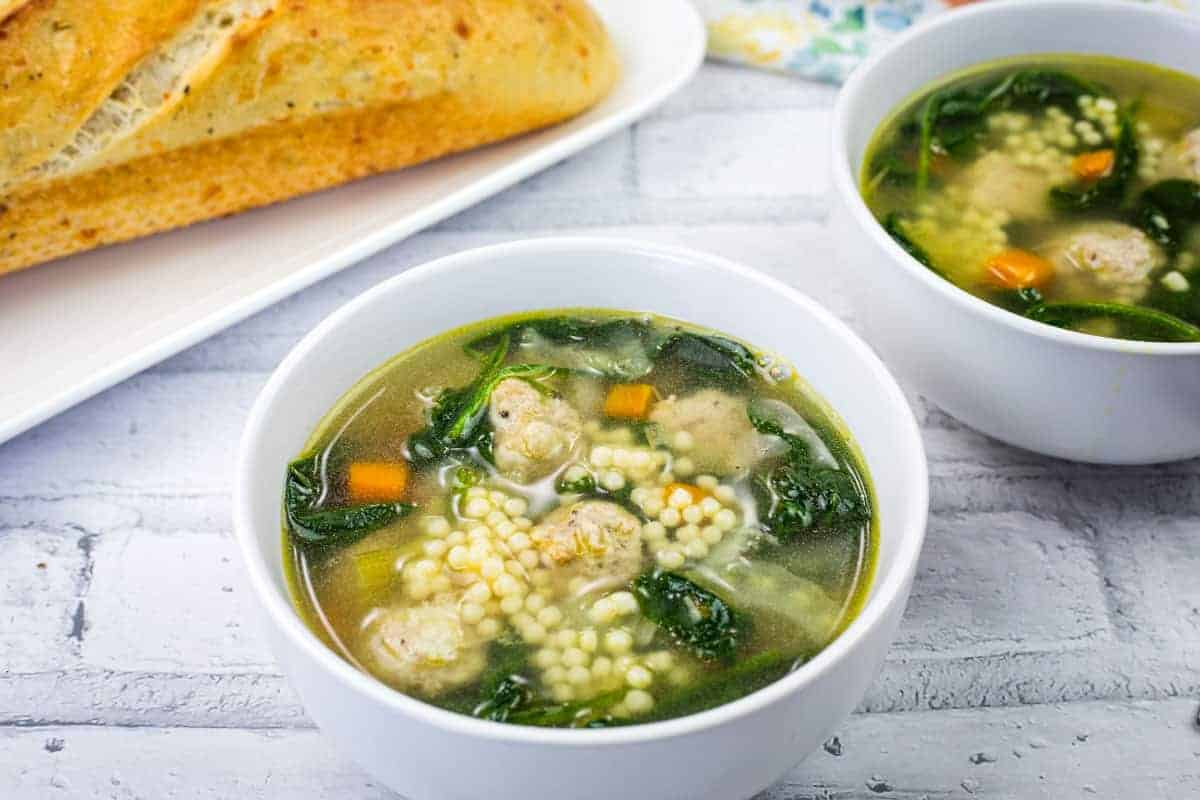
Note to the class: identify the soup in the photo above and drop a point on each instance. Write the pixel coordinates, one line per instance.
(1063, 188)
(579, 519)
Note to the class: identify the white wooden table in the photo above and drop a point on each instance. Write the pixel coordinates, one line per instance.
(1051, 648)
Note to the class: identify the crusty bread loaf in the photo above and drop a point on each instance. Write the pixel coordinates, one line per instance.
(192, 109)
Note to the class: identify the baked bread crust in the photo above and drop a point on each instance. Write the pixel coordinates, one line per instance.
(309, 94)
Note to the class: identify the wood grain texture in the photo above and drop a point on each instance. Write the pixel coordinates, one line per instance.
(1051, 648)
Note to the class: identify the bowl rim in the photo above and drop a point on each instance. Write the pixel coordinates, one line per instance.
(908, 527)
(845, 180)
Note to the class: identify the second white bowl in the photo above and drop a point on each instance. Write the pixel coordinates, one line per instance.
(1053, 391)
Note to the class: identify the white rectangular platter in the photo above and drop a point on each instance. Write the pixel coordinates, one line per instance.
(73, 328)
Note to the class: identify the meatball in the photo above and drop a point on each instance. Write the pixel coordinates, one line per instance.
(535, 434)
(996, 182)
(1182, 159)
(725, 442)
(425, 648)
(1110, 255)
(595, 539)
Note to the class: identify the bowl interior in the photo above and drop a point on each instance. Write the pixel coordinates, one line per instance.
(995, 30)
(581, 273)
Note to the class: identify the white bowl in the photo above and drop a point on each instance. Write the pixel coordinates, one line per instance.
(732, 751)
(1053, 391)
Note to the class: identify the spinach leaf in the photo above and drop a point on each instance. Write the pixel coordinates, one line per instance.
(950, 122)
(1019, 301)
(1185, 304)
(954, 119)
(767, 417)
(891, 167)
(572, 330)
(1040, 87)
(617, 348)
(1166, 209)
(304, 494)
(1136, 322)
(797, 494)
(584, 484)
(707, 359)
(893, 224)
(695, 617)
(800, 496)
(569, 330)
(588, 713)
(727, 685)
(459, 417)
(504, 688)
(508, 695)
(624, 349)
(1109, 191)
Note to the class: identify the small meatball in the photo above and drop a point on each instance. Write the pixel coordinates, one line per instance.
(1109, 255)
(596, 539)
(425, 648)
(996, 182)
(725, 441)
(1182, 159)
(586, 395)
(534, 434)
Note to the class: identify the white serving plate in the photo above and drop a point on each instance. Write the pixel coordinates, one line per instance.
(73, 328)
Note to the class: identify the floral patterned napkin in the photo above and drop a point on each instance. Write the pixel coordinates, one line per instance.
(818, 39)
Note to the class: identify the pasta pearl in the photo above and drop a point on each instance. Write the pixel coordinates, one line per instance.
(624, 602)
(458, 557)
(639, 701)
(618, 642)
(477, 507)
(471, 613)
(639, 677)
(550, 616)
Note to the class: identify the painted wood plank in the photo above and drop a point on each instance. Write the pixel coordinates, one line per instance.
(1087, 750)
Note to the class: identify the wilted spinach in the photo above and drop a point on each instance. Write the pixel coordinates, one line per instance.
(505, 694)
(893, 224)
(738, 680)
(459, 417)
(1135, 322)
(625, 348)
(568, 330)
(695, 617)
(1167, 209)
(891, 167)
(1109, 191)
(504, 687)
(304, 496)
(617, 348)
(795, 494)
(590, 713)
(713, 360)
(1018, 301)
(953, 120)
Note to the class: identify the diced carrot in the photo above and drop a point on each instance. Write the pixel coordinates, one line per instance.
(1093, 165)
(1019, 269)
(629, 401)
(696, 492)
(376, 481)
